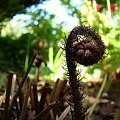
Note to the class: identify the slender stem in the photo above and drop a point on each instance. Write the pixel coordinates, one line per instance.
(109, 10)
(73, 81)
(56, 93)
(64, 113)
(13, 85)
(35, 95)
(24, 107)
(7, 99)
(98, 96)
(27, 53)
(49, 107)
(36, 78)
(43, 97)
(51, 57)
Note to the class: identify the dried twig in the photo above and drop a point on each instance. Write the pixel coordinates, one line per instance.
(22, 82)
(56, 93)
(13, 85)
(65, 112)
(58, 88)
(37, 61)
(7, 99)
(49, 107)
(35, 96)
(43, 97)
(24, 107)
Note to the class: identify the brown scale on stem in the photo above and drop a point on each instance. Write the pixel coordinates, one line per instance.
(83, 46)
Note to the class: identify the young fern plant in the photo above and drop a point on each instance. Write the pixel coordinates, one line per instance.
(83, 46)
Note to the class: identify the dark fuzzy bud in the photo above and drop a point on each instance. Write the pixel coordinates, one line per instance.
(90, 48)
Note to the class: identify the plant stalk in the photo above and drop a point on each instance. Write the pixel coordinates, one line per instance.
(7, 99)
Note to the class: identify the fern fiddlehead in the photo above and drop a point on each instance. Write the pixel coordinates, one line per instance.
(83, 46)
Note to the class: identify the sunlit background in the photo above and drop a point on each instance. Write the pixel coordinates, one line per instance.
(44, 28)
(53, 7)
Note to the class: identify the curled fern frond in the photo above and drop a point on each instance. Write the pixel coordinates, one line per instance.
(83, 46)
(88, 47)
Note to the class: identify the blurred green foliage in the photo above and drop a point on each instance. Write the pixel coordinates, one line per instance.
(103, 16)
(38, 34)
(42, 34)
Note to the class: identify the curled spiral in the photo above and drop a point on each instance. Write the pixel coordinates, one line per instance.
(84, 46)
(88, 47)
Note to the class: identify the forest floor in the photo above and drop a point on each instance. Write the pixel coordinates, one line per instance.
(104, 106)
(108, 105)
